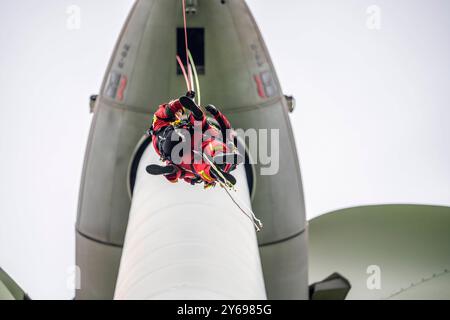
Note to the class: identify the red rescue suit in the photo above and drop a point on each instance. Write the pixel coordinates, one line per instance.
(211, 142)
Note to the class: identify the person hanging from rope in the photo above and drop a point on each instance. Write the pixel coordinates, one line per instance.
(169, 129)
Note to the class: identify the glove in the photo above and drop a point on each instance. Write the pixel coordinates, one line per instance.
(190, 94)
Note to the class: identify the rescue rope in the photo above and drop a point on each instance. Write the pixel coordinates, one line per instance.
(186, 42)
(256, 222)
(197, 81)
(191, 78)
(191, 69)
(183, 70)
(228, 186)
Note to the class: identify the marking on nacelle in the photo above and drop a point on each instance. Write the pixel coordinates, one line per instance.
(259, 86)
(122, 87)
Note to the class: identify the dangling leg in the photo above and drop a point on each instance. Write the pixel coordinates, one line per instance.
(155, 169)
(218, 176)
(190, 104)
(170, 172)
(225, 129)
(196, 115)
(221, 120)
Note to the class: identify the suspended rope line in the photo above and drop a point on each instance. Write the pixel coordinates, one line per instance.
(197, 82)
(186, 41)
(190, 85)
(183, 70)
(228, 186)
(191, 78)
(246, 211)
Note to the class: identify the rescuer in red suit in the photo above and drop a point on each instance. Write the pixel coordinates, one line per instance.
(169, 129)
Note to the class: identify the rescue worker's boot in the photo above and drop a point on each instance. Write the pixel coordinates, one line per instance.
(212, 109)
(228, 176)
(155, 169)
(191, 94)
(190, 104)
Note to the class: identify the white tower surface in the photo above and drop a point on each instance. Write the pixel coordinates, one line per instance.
(184, 242)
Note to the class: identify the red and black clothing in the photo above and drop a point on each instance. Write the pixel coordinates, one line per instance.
(165, 122)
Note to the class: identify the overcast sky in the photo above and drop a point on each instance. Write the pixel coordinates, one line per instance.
(371, 124)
